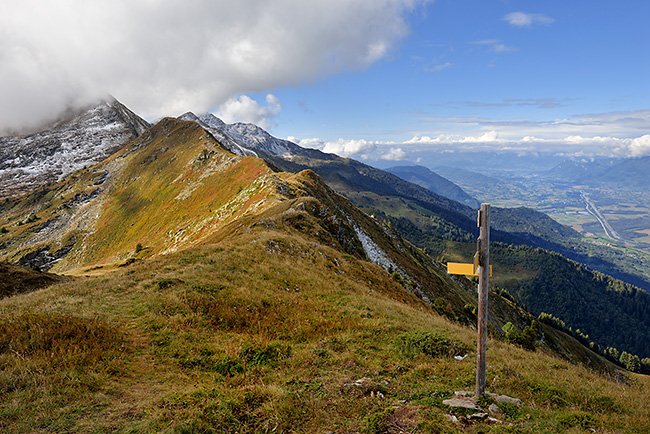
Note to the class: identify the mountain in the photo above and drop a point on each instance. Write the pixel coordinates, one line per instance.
(215, 126)
(176, 187)
(273, 329)
(213, 293)
(80, 138)
(628, 173)
(383, 194)
(573, 170)
(437, 223)
(250, 139)
(167, 190)
(424, 177)
(611, 312)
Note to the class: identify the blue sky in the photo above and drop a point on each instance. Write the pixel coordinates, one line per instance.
(377, 80)
(572, 76)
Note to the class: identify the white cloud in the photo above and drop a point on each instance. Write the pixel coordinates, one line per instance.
(440, 67)
(349, 148)
(502, 48)
(342, 147)
(246, 109)
(640, 146)
(572, 145)
(620, 134)
(523, 19)
(164, 57)
(494, 45)
(313, 143)
(486, 137)
(395, 154)
(487, 141)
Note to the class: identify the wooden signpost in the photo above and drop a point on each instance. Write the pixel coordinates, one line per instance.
(480, 267)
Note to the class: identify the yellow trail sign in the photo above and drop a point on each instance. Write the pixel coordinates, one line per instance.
(466, 269)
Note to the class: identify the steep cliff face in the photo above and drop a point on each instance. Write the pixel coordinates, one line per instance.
(81, 138)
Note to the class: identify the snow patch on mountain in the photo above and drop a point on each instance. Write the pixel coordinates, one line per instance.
(82, 139)
(214, 126)
(248, 139)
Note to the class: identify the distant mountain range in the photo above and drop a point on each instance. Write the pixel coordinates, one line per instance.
(430, 180)
(626, 173)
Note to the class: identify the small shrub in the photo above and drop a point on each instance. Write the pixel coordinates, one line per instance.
(268, 355)
(511, 410)
(549, 395)
(526, 339)
(377, 423)
(631, 362)
(229, 367)
(166, 283)
(444, 308)
(578, 418)
(431, 344)
(554, 322)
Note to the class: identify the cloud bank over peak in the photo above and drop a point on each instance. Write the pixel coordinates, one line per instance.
(163, 57)
(342, 147)
(246, 109)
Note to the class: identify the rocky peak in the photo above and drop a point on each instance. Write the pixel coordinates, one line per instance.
(249, 139)
(80, 138)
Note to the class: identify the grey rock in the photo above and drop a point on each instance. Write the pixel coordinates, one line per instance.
(462, 402)
(505, 398)
(494, 409)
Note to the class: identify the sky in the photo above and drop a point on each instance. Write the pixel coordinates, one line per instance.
(381, 81)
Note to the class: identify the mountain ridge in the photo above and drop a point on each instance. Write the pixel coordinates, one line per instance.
(426, 178)
(188, 225)
(213, 293)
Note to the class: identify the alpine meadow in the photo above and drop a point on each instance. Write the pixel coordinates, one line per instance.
(357, 217)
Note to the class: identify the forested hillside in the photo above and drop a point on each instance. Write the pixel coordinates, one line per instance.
(611, 312)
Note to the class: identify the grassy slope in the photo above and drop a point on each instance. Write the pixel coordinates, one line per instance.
(266, 331)
(422, 223)
(165, 191)
(15, 279)
(266, 325)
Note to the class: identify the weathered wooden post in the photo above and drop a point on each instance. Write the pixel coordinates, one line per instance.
(480, 267)
(483, 281)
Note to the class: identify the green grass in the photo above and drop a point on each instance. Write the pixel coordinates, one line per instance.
(240, 338)
(265, 319)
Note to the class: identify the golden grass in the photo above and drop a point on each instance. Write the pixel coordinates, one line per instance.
(276, 326)
(249, 337)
